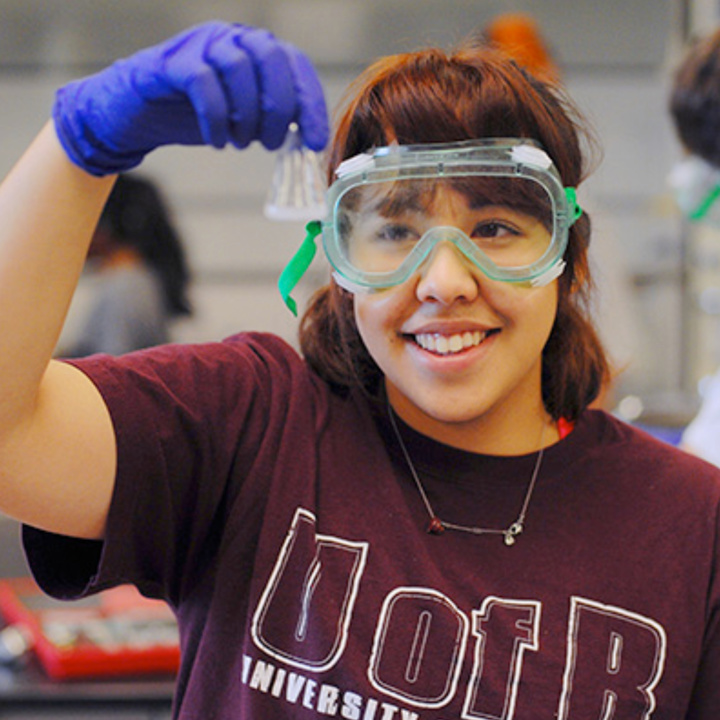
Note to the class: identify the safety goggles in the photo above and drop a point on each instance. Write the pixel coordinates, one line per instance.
(500, 202)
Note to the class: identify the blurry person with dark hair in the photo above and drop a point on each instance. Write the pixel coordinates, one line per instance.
(695, 100)
(141, 271)
(695, 112)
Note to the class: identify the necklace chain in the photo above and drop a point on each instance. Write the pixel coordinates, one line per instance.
(438, 526)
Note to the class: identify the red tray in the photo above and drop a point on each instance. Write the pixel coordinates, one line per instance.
(117, 632)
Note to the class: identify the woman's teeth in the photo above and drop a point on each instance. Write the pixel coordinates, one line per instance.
(447, 344)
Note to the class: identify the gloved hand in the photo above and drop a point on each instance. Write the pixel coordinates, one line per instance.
(214, 84)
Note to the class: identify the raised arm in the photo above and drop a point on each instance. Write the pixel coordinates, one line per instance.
(215, 84)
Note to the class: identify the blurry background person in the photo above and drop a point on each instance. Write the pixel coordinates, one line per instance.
(139, 274)
(519, 36)
(695, 111)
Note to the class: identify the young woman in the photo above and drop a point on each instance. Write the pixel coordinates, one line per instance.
(419, 518)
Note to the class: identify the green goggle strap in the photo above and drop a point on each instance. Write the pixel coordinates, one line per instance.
(575, 210)
(298, 265)
(702, 209)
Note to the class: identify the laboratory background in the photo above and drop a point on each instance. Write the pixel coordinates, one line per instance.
(658, 275)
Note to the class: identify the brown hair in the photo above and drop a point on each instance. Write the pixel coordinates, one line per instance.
(430, 96)
(695, 99)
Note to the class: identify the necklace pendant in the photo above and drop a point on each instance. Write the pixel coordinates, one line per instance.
(435, 526)
(512, 532)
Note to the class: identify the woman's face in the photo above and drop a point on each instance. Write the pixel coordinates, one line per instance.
(461, 353)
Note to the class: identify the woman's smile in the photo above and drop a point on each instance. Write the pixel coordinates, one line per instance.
(440, 344)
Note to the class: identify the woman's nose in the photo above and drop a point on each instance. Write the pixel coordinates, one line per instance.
(446, 276)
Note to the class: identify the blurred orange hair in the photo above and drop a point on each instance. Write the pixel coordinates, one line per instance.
(518, 36)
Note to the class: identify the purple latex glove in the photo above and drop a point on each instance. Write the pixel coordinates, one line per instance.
(214, 84)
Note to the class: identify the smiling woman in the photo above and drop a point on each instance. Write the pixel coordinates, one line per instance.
(421, 517)
(451, 129)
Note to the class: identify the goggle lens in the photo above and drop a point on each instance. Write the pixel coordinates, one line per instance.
(508, 221)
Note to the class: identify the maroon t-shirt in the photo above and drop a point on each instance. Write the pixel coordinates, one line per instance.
(281, 523)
